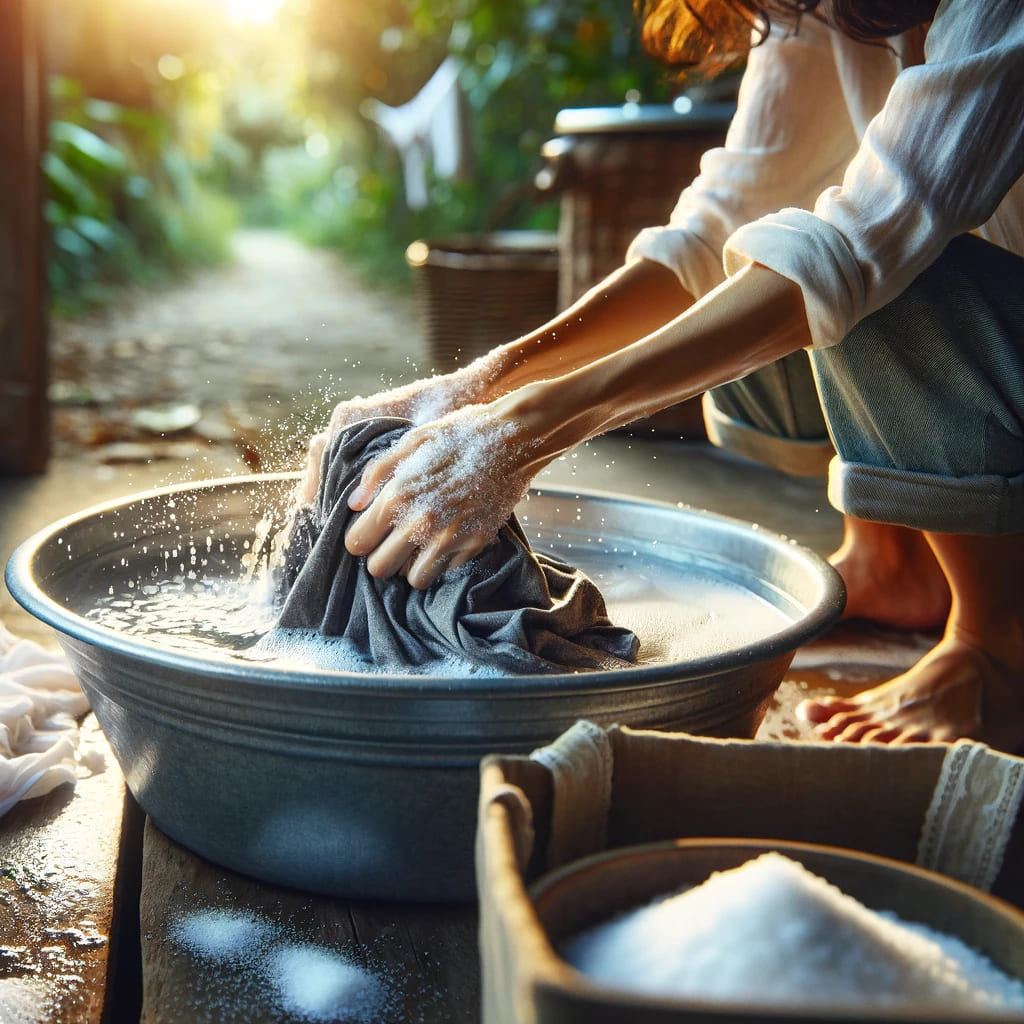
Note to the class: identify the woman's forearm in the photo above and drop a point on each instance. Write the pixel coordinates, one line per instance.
(439, 496)
(628, 304)
(749, 321)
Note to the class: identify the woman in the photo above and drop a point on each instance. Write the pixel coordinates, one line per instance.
(870, 137)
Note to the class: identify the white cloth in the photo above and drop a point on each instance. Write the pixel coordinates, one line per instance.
(40, 702)
(430, 124)
(848, 167)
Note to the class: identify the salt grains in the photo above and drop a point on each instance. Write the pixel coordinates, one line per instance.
(310, 982)
(222, 934)
(772, 933)
(315, 983)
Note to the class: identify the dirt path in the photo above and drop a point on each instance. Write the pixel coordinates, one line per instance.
(274, 336)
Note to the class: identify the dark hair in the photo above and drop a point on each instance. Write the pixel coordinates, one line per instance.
(710, 34)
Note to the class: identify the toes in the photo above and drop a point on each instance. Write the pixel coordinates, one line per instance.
(884, 732)
(824, 708)
(841, 718)
(862, 727)
(845, 725)
(913, 734)
(857, 732)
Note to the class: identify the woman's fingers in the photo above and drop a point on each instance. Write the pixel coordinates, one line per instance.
(442, 492)
(447, 550)
(390, 555)
(375, 475)
(370, 529)
(427, 567)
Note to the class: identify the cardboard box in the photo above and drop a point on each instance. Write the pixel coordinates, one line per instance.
(952, 809)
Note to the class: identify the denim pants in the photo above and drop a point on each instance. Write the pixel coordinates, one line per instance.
(923, 402)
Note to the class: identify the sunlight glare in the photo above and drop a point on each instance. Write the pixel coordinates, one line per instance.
(258, 12)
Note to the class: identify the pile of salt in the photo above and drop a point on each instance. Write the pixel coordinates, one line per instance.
(771, 932)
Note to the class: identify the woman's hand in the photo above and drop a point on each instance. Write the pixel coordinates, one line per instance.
(442, 493)
(421, 401)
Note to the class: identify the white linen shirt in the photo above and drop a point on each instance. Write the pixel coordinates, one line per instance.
(848, 167)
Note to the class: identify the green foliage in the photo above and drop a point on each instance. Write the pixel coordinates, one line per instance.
(523, 61)
(269, 115)
(122, 202)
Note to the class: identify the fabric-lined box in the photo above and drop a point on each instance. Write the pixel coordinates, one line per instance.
(952, 809)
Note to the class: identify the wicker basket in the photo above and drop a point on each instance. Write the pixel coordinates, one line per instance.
(618, 172)
(477, 291)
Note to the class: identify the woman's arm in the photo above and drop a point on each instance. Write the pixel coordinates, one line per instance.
(442, 493)
(630, 303)
(785, 143)
(937, 161)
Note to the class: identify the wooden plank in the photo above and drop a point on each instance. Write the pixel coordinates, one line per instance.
(60, 892)
(424, 956)
(24, 418)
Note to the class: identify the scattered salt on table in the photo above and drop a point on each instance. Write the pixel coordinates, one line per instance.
(311, 982)
(771, 932)
(222, 934)
(315, 984)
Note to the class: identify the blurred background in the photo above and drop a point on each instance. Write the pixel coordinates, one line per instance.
(176, 121)
(216, 249)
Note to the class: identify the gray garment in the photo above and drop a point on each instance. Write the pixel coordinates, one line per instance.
(924, 401)
(510, 610)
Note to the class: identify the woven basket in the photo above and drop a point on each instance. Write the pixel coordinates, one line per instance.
(475, 292)
(619, 174)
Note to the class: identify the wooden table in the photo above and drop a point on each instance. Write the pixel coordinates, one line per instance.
(69, 877)
(92, 898)
(424, 956)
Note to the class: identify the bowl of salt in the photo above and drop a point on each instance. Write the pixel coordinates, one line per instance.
(299, 764)
(744, 930)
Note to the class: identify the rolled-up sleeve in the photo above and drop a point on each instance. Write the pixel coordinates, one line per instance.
(936, 162)
(791, 136)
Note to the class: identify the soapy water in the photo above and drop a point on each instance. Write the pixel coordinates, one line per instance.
(679, 612)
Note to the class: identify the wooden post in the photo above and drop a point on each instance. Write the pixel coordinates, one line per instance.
(24, 412)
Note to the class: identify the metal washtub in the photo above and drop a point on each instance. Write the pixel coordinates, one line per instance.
(365, 785)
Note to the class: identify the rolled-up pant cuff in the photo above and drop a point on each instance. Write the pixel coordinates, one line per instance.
(984, 504)
(797, 457)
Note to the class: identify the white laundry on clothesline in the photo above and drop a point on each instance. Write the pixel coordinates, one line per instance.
(431, 126)
(40, 704)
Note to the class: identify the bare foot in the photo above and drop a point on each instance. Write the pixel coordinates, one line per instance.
(892, 576)
(956, 691)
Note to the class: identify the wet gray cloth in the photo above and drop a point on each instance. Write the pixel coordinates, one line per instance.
(511, 610)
